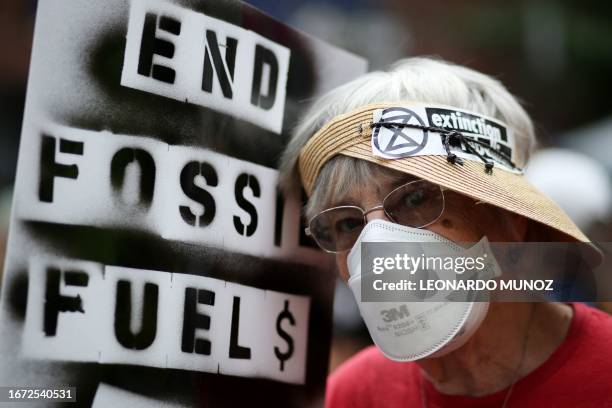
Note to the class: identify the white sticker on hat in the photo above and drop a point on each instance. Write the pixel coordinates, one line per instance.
(405, 131)
(394, 142)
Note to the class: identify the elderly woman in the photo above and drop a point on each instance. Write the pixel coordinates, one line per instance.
(434, 151)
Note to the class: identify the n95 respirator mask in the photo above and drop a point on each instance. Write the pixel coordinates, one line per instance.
(408, 331)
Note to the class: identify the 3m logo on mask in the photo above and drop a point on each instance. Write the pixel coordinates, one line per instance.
(395, 313)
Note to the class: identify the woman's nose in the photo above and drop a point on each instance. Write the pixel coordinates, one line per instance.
(376, 214)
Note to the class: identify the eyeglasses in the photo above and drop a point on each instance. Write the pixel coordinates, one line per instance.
(415, 204)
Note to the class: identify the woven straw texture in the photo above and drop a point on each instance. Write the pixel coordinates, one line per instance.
(350, 134)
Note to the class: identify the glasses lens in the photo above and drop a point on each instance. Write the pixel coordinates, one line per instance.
(415, 204)
(337, 229)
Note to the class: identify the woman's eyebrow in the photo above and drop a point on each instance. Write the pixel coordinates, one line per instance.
(346, 199)
(350, 199)
(403, 180)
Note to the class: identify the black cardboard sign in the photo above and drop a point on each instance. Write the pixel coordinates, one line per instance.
(151, 259)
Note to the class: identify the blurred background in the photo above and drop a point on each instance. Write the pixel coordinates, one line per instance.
(556, 56)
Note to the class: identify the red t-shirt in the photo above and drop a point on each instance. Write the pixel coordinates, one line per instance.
(577, 374)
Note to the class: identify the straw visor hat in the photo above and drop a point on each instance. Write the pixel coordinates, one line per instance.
(424, 153)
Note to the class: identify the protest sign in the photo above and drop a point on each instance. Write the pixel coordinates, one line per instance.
(151, 257)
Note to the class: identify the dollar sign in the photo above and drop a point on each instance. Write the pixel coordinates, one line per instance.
(282, 357)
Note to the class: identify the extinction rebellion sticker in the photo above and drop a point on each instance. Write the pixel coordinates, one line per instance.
(407, 139)
(399, 142)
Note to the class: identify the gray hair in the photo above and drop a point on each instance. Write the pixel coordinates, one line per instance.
(411, 79)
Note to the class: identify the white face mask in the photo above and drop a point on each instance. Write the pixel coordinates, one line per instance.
(408, 331)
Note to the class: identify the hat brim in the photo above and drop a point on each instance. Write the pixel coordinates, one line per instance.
(506, 190)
